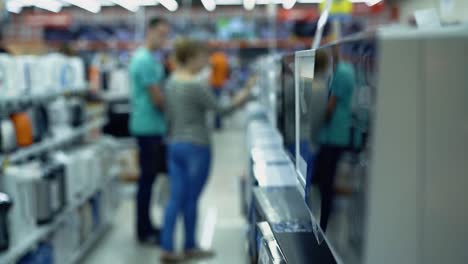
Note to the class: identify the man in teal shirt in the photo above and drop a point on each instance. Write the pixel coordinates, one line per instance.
(335, 135)
(147, 122)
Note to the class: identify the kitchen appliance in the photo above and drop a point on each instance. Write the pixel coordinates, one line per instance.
(23, 129)
(59, 116)
(41, 121)
(56, 72)
(19, 182)
(59, 173)
(30, 112)
(47, 196)
(7, 135)
(31, 75)
(78, 71)
(77, 112)
(5, 204)
(118, 115)
(8, 76)
(71, 169)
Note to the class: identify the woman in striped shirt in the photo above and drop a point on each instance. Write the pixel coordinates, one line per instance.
(188, 99)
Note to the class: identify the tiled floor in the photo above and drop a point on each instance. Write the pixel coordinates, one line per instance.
(219, 211)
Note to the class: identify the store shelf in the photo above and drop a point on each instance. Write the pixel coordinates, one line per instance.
(51, 143)
(43, 96)
(88, 245)
(41, 232)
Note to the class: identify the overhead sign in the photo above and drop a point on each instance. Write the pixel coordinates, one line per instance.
(338, 7)
(50, 20)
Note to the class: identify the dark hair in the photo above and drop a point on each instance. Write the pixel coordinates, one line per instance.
(186, 49)
(156, 21)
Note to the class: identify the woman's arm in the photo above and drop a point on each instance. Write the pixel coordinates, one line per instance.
(209, 101)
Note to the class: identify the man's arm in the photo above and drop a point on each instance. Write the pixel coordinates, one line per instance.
(156, 96)
(151, 77)
(330, 108)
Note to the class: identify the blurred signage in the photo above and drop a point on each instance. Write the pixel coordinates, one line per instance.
(339, 7)
(61, 20)
(296, 14)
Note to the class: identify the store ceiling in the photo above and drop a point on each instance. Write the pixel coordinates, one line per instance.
(16, 6)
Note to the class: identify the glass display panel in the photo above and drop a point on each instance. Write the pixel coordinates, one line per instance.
(286, 100)
(336, 97)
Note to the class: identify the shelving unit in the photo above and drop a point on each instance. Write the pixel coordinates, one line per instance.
(87, 246)
(41, 232)
(52, 143)
(44, 96)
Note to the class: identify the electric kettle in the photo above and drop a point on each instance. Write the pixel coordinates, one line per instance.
(19, 182)
(42, 121)
(59, 117)
(59, 176)
(23, 129)
(9, 77)
(77, 112)
(31, 113)
(46, 190)
(79, 76)
(5, 205)
(7, 135)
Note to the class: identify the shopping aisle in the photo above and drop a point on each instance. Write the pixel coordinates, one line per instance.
(220, 207)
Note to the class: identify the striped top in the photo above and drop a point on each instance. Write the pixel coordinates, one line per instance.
(187, 103)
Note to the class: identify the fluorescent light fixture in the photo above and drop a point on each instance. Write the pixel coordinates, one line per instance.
(49, 5)
(373, 2)
(288, 4)
(264, 2)
(148, 2)
(92, 6)
(249, 4)
(130, 5)
(209, 5)
(14, 7)
(170, 5)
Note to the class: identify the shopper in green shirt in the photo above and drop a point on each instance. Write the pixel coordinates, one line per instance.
(147, 122)
(335, 135)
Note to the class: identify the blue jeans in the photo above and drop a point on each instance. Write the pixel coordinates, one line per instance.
(189, 167)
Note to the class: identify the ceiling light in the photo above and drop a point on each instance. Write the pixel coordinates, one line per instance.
(130, 5)
(373, 2)
(14, 7)
(209, 5)
(170, 5)
(49, 5)
(288, 4)
(147, 2)
(249, 4)
(92, 6)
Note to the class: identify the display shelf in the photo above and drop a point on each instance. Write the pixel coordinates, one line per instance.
(51, 143)
(18, 250)
(43, 96)
(89, 243)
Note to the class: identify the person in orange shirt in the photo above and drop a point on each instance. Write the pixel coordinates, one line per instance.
(219, 77)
